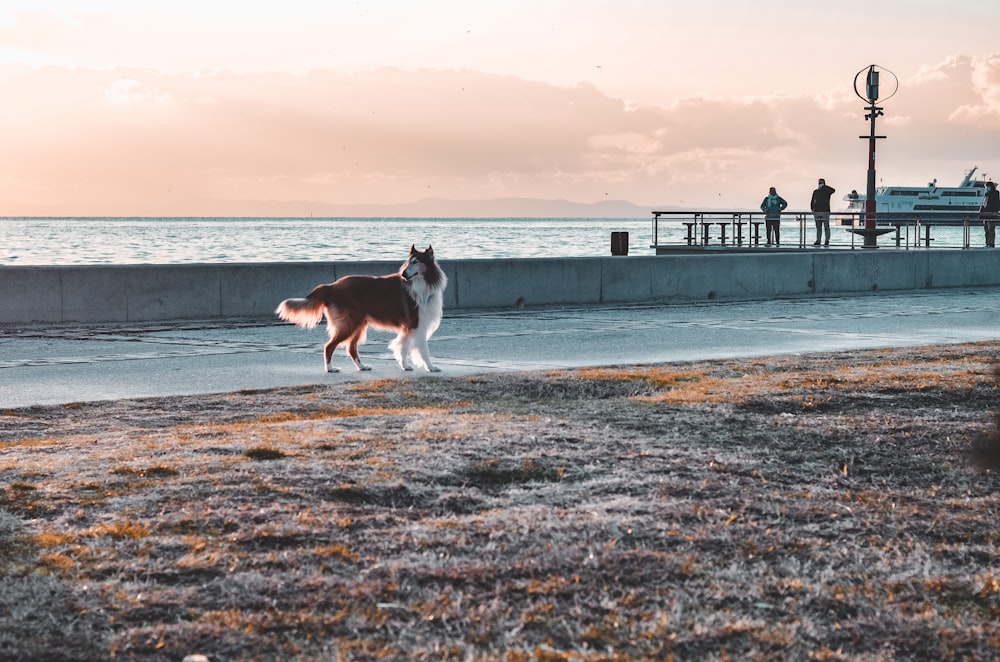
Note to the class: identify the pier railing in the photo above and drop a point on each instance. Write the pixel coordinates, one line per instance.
(681, 231)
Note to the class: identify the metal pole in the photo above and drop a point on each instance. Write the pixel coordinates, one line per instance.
(870, 234)
(870, 197)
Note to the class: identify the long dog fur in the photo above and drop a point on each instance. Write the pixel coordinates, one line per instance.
(409, 302)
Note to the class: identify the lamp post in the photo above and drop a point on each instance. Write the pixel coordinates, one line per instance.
(871, 95)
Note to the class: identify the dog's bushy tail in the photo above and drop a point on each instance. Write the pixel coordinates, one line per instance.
(301, 312)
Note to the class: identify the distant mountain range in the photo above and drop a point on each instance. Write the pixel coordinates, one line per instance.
(440, 207)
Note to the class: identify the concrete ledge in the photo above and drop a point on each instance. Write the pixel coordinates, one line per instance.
(199, 291)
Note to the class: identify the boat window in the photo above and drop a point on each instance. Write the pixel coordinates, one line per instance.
(967, 194)
(903, 192)
(951, 208)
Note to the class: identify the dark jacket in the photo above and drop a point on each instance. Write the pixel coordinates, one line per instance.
(991, 202)
(821, 198)
(772, 206)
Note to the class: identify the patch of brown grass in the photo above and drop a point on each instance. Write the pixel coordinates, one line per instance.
(123, 530)
(155, 471)
(659, 378)
(324, 413)
(265, 453)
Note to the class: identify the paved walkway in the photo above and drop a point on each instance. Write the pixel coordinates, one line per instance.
(45, 364)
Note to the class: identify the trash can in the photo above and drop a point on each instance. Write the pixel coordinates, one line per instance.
(619, 243)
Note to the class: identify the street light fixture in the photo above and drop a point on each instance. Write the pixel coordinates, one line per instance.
(871, 95)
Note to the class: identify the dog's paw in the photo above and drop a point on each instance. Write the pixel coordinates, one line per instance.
(433, 368)
(364, 368)
(330, 368)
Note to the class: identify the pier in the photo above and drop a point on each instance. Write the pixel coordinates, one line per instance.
(735, 231)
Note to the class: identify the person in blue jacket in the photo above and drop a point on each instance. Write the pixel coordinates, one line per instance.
(772, 206)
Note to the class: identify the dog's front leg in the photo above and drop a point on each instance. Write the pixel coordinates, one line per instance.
(401, 347)
(425, 355)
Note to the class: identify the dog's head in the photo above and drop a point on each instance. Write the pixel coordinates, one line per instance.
(418, 264)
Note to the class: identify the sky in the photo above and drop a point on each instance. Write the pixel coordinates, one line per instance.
(182, 108)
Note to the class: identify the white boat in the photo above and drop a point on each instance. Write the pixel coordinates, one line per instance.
(932, 204)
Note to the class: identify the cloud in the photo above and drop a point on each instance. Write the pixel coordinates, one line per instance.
(134, 141)
(129, 92)
(985, 79)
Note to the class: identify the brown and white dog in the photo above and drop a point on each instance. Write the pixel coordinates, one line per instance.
(409, 302)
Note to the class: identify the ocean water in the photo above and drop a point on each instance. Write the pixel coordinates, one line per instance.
(83, 241)
(78, 241)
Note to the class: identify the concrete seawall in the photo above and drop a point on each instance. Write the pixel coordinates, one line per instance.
(201, 291)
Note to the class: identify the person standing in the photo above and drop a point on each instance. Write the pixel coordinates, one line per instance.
(772, 206)
(820, 206)
(990, 209)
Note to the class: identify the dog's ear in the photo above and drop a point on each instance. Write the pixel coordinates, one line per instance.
(430, 250)
(413, 249)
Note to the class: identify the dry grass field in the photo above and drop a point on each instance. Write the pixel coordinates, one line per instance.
(820, 507)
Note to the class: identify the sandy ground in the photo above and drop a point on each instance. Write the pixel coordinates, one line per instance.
(803, 507)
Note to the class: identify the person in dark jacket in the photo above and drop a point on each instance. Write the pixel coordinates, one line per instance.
(772, 206)
(991, 207)
(820, 206)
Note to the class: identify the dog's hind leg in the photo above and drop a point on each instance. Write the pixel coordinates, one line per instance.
(352, 348)
(328, 349)
(337, 337)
